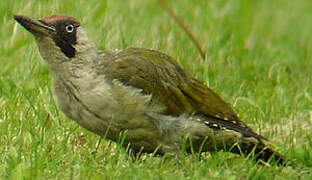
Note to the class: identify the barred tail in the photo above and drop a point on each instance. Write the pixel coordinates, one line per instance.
(260, 152)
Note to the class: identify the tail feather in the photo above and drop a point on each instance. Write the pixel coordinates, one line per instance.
(203, 140)
(260, 152)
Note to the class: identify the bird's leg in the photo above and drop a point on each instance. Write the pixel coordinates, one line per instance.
(97, 145)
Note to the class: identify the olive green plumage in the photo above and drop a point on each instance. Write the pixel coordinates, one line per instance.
(158, 74)
(142, 93)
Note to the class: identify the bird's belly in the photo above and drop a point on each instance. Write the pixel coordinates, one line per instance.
(110, 112)
(122, 114)
(122, 118)
(72, 108)
(139, 136)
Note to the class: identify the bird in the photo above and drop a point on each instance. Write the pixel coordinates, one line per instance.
(139, 93)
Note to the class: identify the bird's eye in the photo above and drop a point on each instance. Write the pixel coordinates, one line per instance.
(69, 28)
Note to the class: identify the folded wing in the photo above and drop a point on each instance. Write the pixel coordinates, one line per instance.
(158, 74)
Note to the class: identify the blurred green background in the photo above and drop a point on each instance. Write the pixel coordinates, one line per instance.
(258, 59)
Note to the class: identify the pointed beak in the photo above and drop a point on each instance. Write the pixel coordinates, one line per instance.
(36, 27)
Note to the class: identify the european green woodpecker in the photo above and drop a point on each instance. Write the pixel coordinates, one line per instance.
(143, 93)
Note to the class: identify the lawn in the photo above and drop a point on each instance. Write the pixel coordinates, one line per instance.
(259, 58)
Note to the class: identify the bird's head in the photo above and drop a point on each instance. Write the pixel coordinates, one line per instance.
(59, 38)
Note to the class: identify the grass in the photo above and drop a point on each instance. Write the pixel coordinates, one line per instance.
(258, 57)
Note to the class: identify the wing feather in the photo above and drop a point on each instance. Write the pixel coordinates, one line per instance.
(158, 74)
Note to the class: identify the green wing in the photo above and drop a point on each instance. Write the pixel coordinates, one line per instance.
(158, 74)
